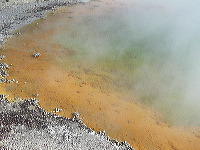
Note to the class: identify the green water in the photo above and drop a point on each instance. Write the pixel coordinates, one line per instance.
(147, 52)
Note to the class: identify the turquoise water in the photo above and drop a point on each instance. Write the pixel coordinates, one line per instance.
(153, 52)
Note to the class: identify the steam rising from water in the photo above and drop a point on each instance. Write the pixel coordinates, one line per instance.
(154, 49)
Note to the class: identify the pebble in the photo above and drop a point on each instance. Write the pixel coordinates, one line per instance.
(2, 57)
(36, 55)
(57, 110)
(36, 95)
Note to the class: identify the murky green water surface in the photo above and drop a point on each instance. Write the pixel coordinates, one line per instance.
(151, 53)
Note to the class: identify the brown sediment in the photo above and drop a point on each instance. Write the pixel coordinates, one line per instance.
(59, 88)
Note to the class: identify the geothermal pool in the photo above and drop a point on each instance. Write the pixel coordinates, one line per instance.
(130, 69)
(152, 53)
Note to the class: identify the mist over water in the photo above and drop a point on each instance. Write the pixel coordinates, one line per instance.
(152, 47)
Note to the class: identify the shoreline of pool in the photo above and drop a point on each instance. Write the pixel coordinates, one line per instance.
(24, 119)
(15, 15)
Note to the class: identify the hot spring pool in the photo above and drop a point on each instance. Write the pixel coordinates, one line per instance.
(152, 52)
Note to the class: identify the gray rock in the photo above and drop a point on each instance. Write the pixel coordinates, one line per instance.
(36, 55)
(24, 126)
(2, 57)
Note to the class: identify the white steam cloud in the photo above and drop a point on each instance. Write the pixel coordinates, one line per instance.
(158, 42)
